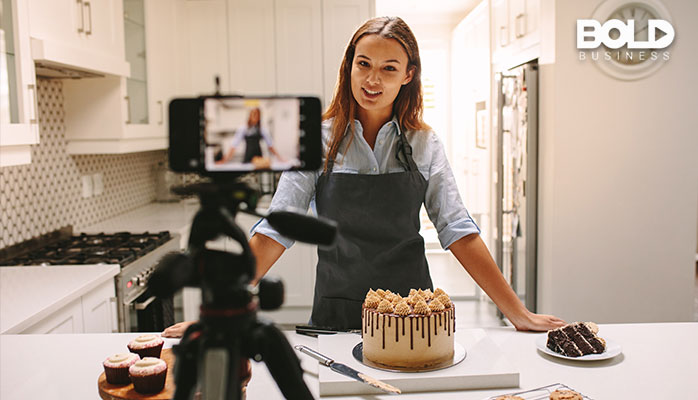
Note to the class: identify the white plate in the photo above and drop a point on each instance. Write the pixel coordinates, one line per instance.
(612, 350)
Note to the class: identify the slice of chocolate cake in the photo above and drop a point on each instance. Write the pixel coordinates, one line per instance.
(576, 340)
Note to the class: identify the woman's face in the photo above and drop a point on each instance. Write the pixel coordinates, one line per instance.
(253, 118)
(378, 71)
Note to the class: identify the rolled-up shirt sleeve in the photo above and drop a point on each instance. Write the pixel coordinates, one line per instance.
(443, 202)
(295, 191)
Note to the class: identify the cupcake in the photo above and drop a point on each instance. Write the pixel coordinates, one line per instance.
(146, 346)
(116, 367)
(148, 375)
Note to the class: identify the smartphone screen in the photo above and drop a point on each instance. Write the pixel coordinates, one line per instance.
(246, 134)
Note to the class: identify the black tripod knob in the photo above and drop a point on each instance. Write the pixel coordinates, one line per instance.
(271, 293)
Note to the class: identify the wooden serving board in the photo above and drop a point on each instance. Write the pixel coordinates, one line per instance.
(108, 391)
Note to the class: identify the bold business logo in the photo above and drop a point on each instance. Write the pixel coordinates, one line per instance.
(624, 40)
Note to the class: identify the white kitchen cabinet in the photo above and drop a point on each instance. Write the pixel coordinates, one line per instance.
(515, 31)
(252, 62)
(19, 119)
(299, 47)
(99, 309)
(340, 19)
(114, 115)
(68, 319)
(85, 35)
(272, 47)
(94, 312)
(203, 47)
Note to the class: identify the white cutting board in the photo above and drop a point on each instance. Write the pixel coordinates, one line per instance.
(484, 367)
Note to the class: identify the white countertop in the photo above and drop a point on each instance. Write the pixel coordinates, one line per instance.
(659, 361)
(29, 294)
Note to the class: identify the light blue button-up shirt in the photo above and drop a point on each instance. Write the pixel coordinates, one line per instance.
(296, 189)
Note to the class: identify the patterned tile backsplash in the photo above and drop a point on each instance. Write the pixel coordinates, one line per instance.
(47, 194)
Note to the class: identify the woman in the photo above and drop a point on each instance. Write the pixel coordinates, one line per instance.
(252, 134)
(382, 163)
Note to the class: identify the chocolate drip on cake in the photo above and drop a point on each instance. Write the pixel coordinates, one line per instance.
(422, 318)
(436, 331)
(383, 330)
(411, 334)
(397, 326)
(428, 334)
(575, 340)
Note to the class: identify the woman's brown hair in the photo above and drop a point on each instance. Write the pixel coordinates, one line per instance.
(407, 107)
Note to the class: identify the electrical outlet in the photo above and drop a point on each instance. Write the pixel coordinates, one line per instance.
(97, 184)
(87, 187)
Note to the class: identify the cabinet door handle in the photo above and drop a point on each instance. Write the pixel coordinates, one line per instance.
(522, 32)
(128, 109)
(162, 112)
(89, 14)
(81, 29)
(502, 36)
(34, 118)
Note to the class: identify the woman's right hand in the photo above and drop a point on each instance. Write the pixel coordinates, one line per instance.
(176, 330)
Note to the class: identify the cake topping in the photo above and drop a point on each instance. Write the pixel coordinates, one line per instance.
(436, 305)
(445, 300)
(413, 292)
(121, 360)
(385, 307)
(428, 295)
(145, 341)
(592, 327)
(412, 300)
(380, 293)
(403, 309)
(438, 292)
(370, 293)
(145, 338)
(422, 308)
(117, 358)
(397, 299)
(148, 365)
(372, 302)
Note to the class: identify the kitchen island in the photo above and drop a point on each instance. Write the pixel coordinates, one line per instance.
(659, 361)
(30, 294)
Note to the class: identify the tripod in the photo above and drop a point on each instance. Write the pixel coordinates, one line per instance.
(214, 351)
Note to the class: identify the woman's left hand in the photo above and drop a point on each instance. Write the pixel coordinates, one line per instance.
(536, 322)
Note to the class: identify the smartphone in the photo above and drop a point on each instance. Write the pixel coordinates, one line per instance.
(234, 134)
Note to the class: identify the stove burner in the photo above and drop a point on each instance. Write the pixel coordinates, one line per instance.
(119, 248)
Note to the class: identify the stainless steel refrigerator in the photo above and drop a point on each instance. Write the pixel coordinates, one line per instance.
(517, 179)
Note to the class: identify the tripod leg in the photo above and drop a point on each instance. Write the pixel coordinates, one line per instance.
(185, 372)
(271, 344)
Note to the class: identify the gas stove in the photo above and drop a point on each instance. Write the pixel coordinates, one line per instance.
(137, 254)
(116, 248)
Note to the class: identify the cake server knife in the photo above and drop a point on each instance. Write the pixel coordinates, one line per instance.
(347, 371)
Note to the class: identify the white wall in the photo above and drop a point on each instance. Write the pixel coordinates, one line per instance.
(618, 180)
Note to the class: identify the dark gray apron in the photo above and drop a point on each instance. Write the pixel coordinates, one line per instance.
(378, 241)
(252, 147)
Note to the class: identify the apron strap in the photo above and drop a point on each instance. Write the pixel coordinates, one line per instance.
(406, 150)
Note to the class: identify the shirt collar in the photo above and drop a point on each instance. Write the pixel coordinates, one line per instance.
(398, 131)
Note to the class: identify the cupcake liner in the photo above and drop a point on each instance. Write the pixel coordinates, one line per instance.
(147, 351)
(149, 383)
(117, 376)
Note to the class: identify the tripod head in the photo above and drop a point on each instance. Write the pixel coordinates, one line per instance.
(213, 351)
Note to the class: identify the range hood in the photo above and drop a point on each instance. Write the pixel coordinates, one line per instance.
(57, 60)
